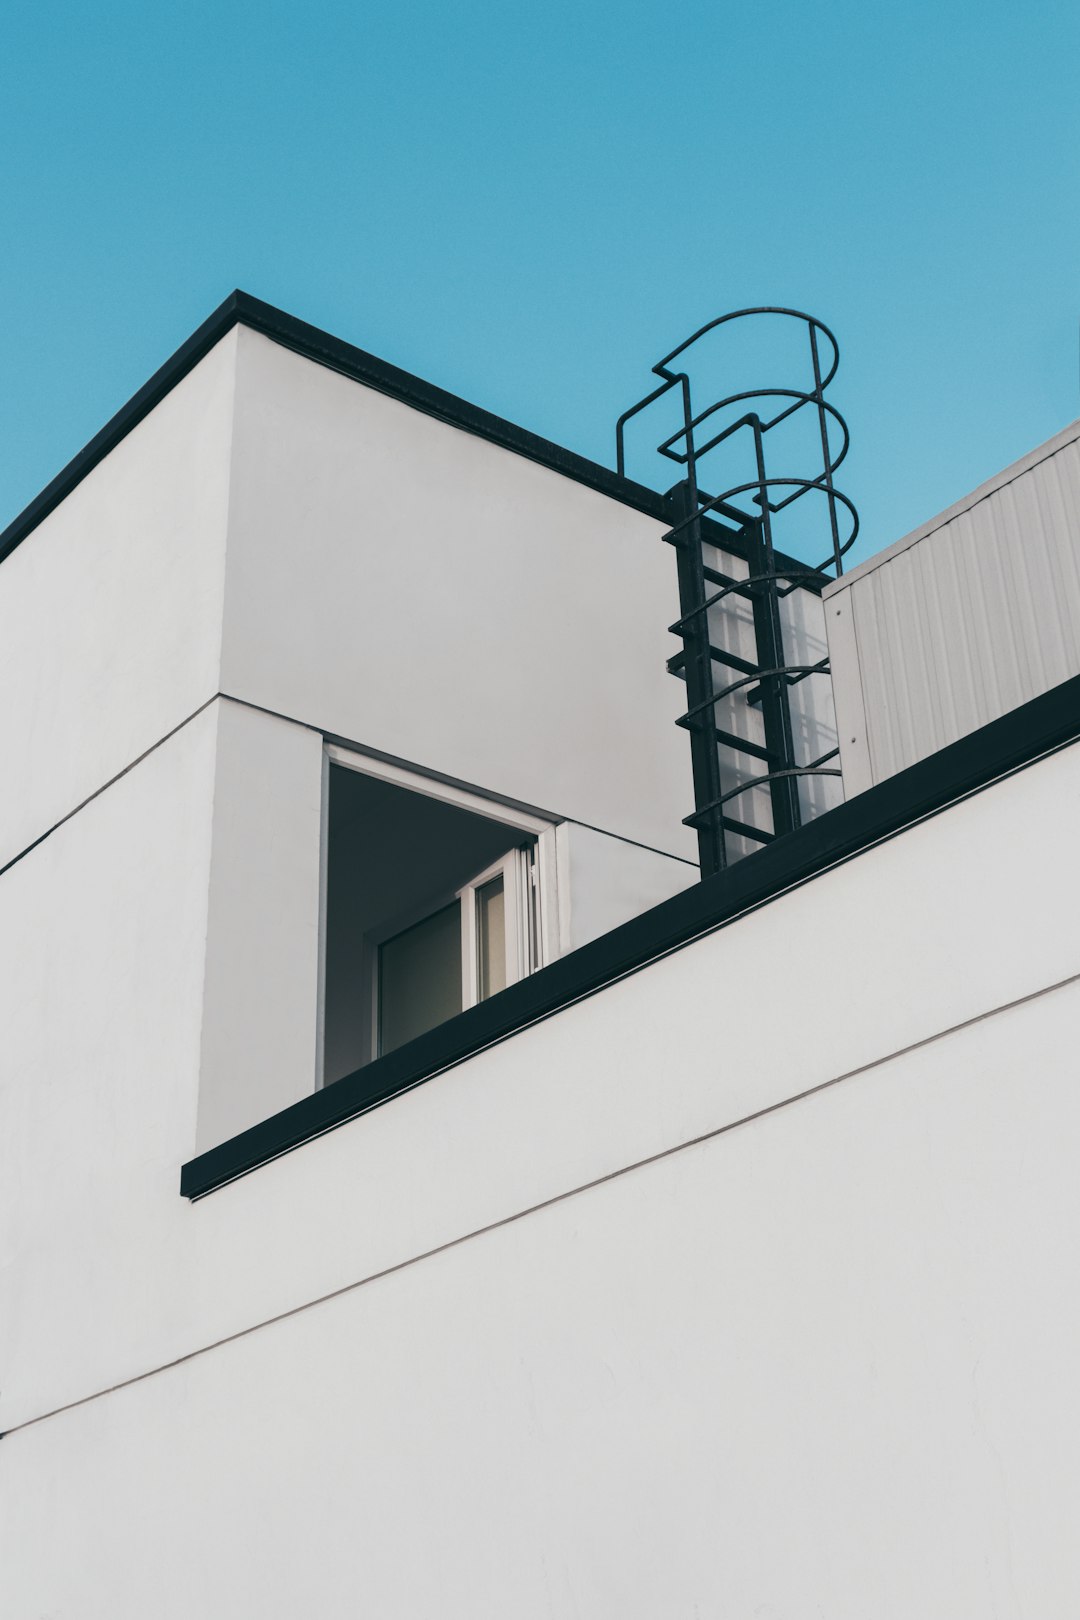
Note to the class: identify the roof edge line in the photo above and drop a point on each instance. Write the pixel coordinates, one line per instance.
(989, 487)
(338, 355)
(241, 308)
(141, 403)
(932, 785)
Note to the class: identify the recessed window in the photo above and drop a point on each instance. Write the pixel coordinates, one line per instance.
(435, 900)
(492, 971)
(419, 978)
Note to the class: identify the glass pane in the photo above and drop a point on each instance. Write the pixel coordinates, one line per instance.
(420, 978)
(491, 938)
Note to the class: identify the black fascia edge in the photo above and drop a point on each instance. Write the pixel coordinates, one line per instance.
(129, 416)
(241, 308)
(1017, 739)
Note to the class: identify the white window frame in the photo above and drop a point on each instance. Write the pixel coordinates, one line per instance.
(530, 885)
(516, 868)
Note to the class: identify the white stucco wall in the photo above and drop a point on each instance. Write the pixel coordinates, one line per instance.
(483, 1352)
(111, 610)
(374, 551)
(820, 1365)
(821, 1362)
(260, 1010)
(320, 492)
(102, 942)
(604, 881)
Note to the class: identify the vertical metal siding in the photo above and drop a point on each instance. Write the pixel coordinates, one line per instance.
(972, 619)
(813, 719)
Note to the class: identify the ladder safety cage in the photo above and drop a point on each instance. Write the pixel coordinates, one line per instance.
(703, 520)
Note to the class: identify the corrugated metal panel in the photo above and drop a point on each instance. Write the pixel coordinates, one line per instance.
(976, 616)
(813, 720)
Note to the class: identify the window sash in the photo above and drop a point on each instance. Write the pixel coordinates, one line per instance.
(540, 924)
(517, 869)
(521, 927)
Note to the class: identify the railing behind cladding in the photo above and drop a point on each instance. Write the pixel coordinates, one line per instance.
(769, 676)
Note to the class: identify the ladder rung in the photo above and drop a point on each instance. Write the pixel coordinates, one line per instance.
(740, 745)
(737, 586)
(743, 665)
(758, 834)
(718, 656)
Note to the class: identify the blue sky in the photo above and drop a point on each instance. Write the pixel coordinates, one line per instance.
(531, 204)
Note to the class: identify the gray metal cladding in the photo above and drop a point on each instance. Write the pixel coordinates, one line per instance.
(966, 619)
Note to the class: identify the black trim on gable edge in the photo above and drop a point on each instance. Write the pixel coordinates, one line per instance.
(242, 309)
(151, 393)
(337, 355)
(974, 762)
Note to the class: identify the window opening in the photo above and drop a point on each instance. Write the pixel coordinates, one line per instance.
(434, 902)
(491, 938)
(419, 978)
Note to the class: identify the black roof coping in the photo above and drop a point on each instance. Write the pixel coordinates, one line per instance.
(954, 773)
(240, 308)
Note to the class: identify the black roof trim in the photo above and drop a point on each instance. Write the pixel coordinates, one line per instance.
(119, 426)
(964, 767)
(241, 308)
(356, 363)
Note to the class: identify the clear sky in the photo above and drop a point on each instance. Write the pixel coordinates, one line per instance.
(530, 204)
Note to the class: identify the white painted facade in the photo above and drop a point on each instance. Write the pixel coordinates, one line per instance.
(412, 588)
(309, 558)
(816, 1358)
(964, 619)
(735, 1288)
(111, 615)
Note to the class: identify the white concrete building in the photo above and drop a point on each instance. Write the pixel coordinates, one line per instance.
(423, 1194)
